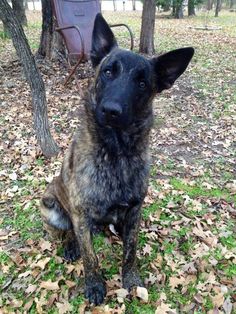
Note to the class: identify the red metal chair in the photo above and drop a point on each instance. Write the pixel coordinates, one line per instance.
(74, 21)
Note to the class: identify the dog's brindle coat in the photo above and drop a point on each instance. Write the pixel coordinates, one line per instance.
(104, 176)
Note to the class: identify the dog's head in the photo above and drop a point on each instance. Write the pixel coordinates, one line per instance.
(126, 82)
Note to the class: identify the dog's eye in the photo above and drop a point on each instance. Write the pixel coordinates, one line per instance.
(142, 84)
(108, 73)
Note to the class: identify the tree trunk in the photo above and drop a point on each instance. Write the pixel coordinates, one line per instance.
(114, 5)
(19, 11)
(33, 5)
(26, 5)
(179, 9)
(45, 46)
(209, 5)
(40, 117)
(51, 42)
(191, 8)
(147, 29)
(134, 5)
(231, 4)
(218, 2)
(166, 6)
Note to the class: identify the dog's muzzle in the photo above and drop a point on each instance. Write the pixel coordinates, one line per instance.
(110, 114)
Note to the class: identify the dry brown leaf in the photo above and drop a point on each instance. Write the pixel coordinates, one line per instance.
(142, 294)
(228, 306)
(45, 245)
(64, 307)
(25, 274)
(28, 305)
(175, 281)
(49, 285)
(41, 263)
(16, 303)
(70, 268)
(31, 289)
(70, 284)
(121, 293)
(163, 308)
(147, 249)
(218, 299)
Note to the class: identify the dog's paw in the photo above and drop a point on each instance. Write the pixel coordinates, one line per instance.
(131, 279)
(95, 289)
(71, 251)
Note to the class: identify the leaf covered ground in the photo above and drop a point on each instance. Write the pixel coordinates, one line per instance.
(187, 243)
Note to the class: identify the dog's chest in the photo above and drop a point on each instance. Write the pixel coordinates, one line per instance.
(108, 186)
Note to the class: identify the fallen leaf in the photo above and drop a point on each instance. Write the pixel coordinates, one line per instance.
(41, 263)
(49, 285)
(121, 293)
(142, 294)
(64, 307)
(31, 289)
(45, 245)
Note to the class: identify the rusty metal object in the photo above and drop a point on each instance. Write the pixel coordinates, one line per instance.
(74, 21)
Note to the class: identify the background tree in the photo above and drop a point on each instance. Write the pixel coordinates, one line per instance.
(134, 5)
(114, 5)
(177, 9)
(191, 7)
(51, 42)
(147, 28)
(19, 11)
(40, 117)
(218, 6)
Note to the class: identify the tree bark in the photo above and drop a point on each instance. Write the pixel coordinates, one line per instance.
(45, 46)
(134, 5)
(178, 14)
(209, 5)
(19, 11)
(40, 117)
(51, 42)
(147, 28)
(231, 5)
(114, 5)
(218, 4)
(191, 8)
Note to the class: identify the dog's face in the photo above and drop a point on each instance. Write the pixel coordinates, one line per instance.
(126, 82)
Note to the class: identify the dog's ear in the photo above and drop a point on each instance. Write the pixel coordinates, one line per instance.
(170, 66)
(103, 40)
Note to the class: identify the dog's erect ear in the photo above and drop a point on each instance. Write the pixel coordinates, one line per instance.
(170, 66)
(103, 40)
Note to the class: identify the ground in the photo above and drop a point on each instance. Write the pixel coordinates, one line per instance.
(187, 243)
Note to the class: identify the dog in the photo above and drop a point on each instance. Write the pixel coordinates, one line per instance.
(104, 176)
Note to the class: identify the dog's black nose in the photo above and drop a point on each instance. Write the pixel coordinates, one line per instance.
(111, 110)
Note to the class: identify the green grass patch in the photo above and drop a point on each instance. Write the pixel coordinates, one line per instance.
(199, 191)
(26, 220)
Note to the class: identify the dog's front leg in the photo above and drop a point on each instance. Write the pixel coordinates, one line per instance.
(130, 274)
(95, 289)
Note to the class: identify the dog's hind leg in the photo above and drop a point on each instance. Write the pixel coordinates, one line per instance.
(58, 224)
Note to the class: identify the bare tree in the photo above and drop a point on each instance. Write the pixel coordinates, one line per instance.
(40, 117)
(114, 5)
(231, 4)
(134, 5)
(218, 6)
(19, 11)
(191, 8)
(51, 42)
(178, 9)
(147, 28)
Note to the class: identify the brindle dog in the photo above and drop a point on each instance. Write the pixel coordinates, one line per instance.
(104, 176)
